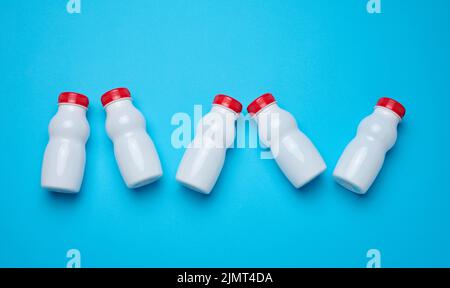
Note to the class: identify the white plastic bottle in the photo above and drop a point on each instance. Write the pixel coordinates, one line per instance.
(294, 153)
(203, 160)
(135, 152)
(65, 154)
(363, 157)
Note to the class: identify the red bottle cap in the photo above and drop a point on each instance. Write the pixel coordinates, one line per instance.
(73, 98)
(115, 94)
(392, 105)
(259, 103)
(228, 102)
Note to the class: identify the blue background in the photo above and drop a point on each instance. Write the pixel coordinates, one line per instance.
(327, 62)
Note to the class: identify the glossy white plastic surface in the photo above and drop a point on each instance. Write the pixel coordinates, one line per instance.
(203, 159)
(65, 154)
(293, 151)
(135, 152)
(363, 157)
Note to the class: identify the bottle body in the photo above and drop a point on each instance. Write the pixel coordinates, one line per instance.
(204, 158)
(292, 150)
(134, 150)
(65, 154)
(364, 156)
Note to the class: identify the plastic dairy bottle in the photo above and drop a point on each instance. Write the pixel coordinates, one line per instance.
(363, 157)
(65, 154)
(203, 160)
(135, 152)
(294, 153)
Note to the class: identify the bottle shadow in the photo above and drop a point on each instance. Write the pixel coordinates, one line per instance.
(148, 191)
(63, 199)
(195, 197)
(310, 189)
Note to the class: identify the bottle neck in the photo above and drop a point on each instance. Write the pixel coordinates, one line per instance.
(271, 108)
(119, 104)
(224, 111)
(388, 115)
(72, 108)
